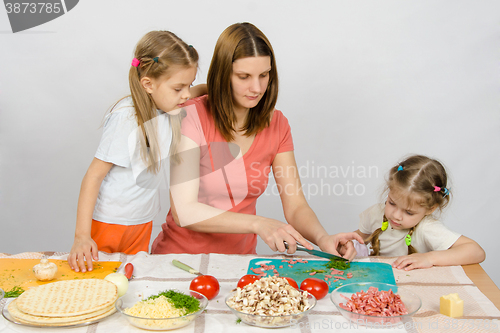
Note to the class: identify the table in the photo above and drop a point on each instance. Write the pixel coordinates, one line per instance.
(157, 271)
(479, 277)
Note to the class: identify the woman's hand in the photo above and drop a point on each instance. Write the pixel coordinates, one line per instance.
(340, 244)
(274, 233)
(83, 249)
(413, 261)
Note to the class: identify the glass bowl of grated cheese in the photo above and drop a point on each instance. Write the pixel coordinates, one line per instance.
(167, 310)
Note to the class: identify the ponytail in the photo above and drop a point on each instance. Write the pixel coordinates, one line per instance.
(411, 249)
(146, 118)
(373, 239)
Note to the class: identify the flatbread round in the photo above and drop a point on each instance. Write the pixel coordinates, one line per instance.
(56, 321)
(68, 298)
(48, 321)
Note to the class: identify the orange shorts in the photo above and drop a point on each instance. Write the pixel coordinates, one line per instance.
(121, 238)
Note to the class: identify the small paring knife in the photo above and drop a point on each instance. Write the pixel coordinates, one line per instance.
(316, 252)
(185, 267)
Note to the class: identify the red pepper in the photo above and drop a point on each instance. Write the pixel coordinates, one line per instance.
(129, 269)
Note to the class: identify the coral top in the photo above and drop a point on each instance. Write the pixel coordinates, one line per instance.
(228, 183)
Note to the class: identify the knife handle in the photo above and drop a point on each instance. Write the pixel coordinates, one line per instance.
(185, 267)
(299, 247)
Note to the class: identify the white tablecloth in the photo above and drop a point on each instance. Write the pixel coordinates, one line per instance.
(157, 271)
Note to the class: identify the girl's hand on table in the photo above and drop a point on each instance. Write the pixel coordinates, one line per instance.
(340, 244)
(83, 249)
(413, 261)
(274, 233)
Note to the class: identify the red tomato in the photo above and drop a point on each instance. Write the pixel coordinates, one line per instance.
(317, 287)
(292, 282)
(206, 285)
(247, 279)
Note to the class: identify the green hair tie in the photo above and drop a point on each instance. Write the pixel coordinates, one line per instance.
(408, 240)
(155, 59)
(385, 224)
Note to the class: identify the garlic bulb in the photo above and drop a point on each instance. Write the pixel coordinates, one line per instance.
(45, 270)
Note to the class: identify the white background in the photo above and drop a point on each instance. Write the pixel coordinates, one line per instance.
(363, 83)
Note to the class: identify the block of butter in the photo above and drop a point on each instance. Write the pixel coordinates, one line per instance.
(451, 305)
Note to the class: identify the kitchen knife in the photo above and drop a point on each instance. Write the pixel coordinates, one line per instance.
(316, 252)
(185, 267)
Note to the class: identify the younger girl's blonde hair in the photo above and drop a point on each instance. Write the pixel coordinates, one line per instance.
(421, 181)
(157, 52)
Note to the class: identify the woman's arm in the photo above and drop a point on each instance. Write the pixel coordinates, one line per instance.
(189, 213)
(464, 251)
(199, 90)
(300, 215)
(84, 248)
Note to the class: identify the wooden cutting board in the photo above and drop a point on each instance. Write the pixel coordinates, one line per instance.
(361, 271)
(19, 272)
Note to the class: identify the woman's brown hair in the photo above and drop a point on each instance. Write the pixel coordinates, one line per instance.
(240, 40)
(158, 52)
(422, 181)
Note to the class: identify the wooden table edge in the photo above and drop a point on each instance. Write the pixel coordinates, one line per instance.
(483, 282)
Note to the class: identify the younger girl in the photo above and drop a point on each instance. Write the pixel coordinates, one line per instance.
(119, 196)
(404, 225)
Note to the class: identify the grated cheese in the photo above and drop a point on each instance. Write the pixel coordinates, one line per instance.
(157, 308)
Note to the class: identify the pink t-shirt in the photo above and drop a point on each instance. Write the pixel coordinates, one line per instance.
(225, 182)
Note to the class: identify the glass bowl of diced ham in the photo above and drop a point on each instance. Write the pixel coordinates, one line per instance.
(375, 304)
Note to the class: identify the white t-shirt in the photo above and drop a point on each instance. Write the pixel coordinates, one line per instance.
(429, 235)
(129, 194)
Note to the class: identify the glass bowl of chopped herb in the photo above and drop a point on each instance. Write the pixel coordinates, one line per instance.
(167, 310)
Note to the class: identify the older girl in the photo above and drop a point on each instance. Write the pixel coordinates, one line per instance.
(119, 196)
(231, 139)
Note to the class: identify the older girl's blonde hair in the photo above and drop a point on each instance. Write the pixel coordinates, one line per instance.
(424, 182)
(157, 52)
(238, 41)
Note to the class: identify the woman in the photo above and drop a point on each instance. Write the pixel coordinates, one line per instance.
(231, 139)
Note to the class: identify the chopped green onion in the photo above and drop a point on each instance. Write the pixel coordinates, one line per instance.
(180, 300)
(14, 292)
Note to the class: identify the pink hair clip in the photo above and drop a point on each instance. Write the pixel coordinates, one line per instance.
(135, 62)
(437, 188)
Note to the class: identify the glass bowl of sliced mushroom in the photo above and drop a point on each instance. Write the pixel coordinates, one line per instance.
(270, 302)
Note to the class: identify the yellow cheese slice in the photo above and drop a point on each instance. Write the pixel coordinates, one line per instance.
(451, 305)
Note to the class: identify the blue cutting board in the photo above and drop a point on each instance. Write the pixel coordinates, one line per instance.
(361, 271)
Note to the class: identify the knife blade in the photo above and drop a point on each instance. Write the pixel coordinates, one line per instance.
(317, 253)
